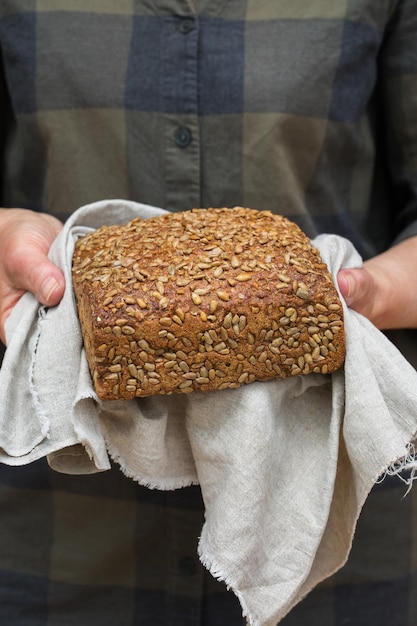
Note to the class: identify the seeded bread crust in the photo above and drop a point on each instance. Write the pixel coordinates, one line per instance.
(204, 299)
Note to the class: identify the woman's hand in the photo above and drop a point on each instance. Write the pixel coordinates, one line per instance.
(385, 289)
(25, 239)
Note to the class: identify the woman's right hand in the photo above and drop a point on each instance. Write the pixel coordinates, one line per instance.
(25, 239)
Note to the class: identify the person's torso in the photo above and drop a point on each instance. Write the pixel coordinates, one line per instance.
(265, 105)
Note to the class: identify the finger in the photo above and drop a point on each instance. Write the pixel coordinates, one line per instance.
(32, 271)
(38, 276)
(344, 281)
(354, 286)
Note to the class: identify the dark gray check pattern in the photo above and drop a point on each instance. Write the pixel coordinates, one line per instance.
(307, 108)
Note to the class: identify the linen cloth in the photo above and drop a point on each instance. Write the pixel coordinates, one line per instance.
(284, 466)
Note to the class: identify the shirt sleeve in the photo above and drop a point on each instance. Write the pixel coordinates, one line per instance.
(398, 69)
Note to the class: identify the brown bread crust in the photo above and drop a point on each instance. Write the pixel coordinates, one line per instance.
(204, 299)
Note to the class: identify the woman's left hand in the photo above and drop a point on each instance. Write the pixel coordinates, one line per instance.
(385, 289)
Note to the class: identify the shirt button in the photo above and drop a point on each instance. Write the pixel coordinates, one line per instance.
(186, 25)
(187, 566)
(183, 137)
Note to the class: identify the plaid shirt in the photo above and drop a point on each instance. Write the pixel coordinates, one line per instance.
(307, 108)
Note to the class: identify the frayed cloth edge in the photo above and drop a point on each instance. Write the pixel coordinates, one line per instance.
(407, 463)
(42, 414)
(218, 573)
(161, 484)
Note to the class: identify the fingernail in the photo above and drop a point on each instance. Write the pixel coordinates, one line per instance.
(48, 288)
(348, 288)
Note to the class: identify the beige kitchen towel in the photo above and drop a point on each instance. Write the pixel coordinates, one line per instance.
(284, 466)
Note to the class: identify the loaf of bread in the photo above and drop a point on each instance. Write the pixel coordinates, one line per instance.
(204, 299)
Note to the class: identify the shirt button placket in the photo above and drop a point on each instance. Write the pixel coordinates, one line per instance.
(186, 575)
(180, 81)
(183, 137)
(187, 25)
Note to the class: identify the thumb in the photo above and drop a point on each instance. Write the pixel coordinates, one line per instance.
(35, 273)
(32, 271)
(49, 284)
(355, 286)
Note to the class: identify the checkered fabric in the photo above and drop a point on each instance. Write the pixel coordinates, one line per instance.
(304, 107)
